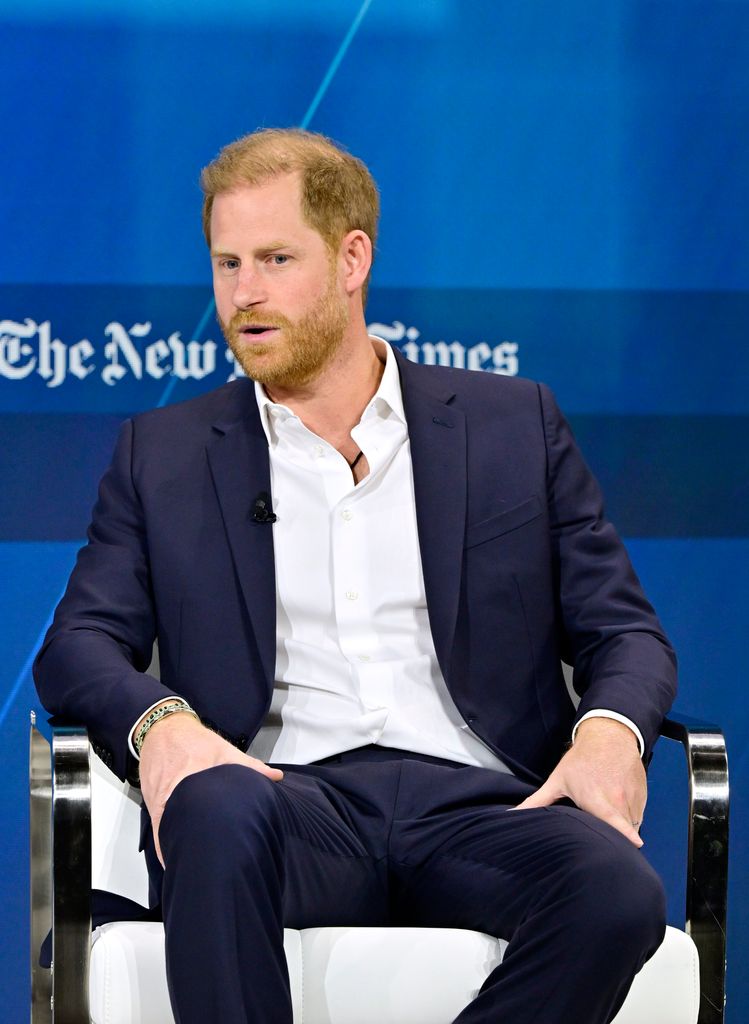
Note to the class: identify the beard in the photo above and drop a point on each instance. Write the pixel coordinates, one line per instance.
(299, 351)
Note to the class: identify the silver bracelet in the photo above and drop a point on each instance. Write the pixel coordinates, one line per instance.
(156, 715)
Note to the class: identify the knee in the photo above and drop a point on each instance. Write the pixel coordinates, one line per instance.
(622, 898)
(219, 812)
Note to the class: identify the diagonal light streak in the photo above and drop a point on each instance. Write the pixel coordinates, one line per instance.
(196, 334)
(335, 64)
(202, 324)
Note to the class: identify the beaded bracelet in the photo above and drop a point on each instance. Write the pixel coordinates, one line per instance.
(156, 715)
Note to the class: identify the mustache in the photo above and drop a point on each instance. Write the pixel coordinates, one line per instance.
(250, 318)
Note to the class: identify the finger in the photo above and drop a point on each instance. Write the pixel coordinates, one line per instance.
(635, 819)
(633, 835)
(625, 815)
(617, 820)
(543, 797)
(274, 774)
(157, 845)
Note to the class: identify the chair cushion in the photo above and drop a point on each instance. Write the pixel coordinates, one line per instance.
(371, 976)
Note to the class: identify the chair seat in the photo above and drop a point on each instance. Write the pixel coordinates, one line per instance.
(371, 976)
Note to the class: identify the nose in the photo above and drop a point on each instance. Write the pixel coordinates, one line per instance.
(249, 289)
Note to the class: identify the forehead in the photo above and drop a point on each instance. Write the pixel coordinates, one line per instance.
(251, 214)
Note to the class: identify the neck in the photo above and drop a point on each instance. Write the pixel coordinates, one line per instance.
(333, 403)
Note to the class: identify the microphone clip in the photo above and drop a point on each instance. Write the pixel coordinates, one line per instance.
(262, 510)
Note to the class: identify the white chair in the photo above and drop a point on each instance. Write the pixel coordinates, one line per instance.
(338, 975)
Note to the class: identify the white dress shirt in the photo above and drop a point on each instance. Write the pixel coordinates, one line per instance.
(355, 660)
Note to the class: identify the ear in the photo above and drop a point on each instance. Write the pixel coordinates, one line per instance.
(355, 256)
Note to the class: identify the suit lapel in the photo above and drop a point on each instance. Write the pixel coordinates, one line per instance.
(240, 468)
(437, 434)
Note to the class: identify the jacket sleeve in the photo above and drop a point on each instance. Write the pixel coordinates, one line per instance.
(91, 666)
(611, 636)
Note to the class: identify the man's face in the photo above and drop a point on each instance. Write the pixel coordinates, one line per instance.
(278, 298)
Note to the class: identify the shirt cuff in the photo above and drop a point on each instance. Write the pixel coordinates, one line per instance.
(131, 736)
(601, 713)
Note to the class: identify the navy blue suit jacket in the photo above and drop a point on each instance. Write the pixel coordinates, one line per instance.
(521, 570)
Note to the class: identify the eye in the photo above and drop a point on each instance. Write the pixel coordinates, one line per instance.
(228, 265)
(278, 259)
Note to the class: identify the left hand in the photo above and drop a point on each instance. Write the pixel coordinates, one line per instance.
(601, 773)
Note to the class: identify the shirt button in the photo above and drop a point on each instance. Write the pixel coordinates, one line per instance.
(352, 595)
(347, 514)
(319, 451)
(365, 657)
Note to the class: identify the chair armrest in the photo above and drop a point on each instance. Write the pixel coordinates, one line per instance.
(66, 783)
(40, 836)
(707, 854)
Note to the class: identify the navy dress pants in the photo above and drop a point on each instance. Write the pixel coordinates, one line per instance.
(384, 837)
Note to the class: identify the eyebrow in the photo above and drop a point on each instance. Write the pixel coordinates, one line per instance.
(275, 245)
(261, 250)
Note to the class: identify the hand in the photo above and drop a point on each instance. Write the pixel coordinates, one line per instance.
(178, 746)
(602, 773)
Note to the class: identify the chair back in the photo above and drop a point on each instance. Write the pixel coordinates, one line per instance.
(117, 866)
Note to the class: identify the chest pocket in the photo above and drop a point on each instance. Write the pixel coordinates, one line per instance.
(503, 522)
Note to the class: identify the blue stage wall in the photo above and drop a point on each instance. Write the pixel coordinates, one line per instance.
(564, 197)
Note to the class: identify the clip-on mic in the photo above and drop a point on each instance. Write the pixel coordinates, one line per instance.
(262, 510)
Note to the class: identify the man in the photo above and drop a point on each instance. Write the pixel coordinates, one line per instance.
(362, 575)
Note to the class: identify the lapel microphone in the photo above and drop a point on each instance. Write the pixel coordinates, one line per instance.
(262, 510)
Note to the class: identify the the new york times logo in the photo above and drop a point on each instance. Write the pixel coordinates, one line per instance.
(28, 350)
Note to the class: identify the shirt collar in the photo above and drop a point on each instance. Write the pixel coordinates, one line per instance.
(387, 398)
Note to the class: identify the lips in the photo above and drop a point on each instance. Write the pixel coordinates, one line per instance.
(257, 331)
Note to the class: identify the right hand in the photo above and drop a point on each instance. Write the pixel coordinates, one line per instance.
(178, 746)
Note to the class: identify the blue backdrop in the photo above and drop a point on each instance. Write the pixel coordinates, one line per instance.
(564, 197)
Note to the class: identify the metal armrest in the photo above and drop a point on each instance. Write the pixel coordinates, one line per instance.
(40, 835)
(60, 787)
(707, 854)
